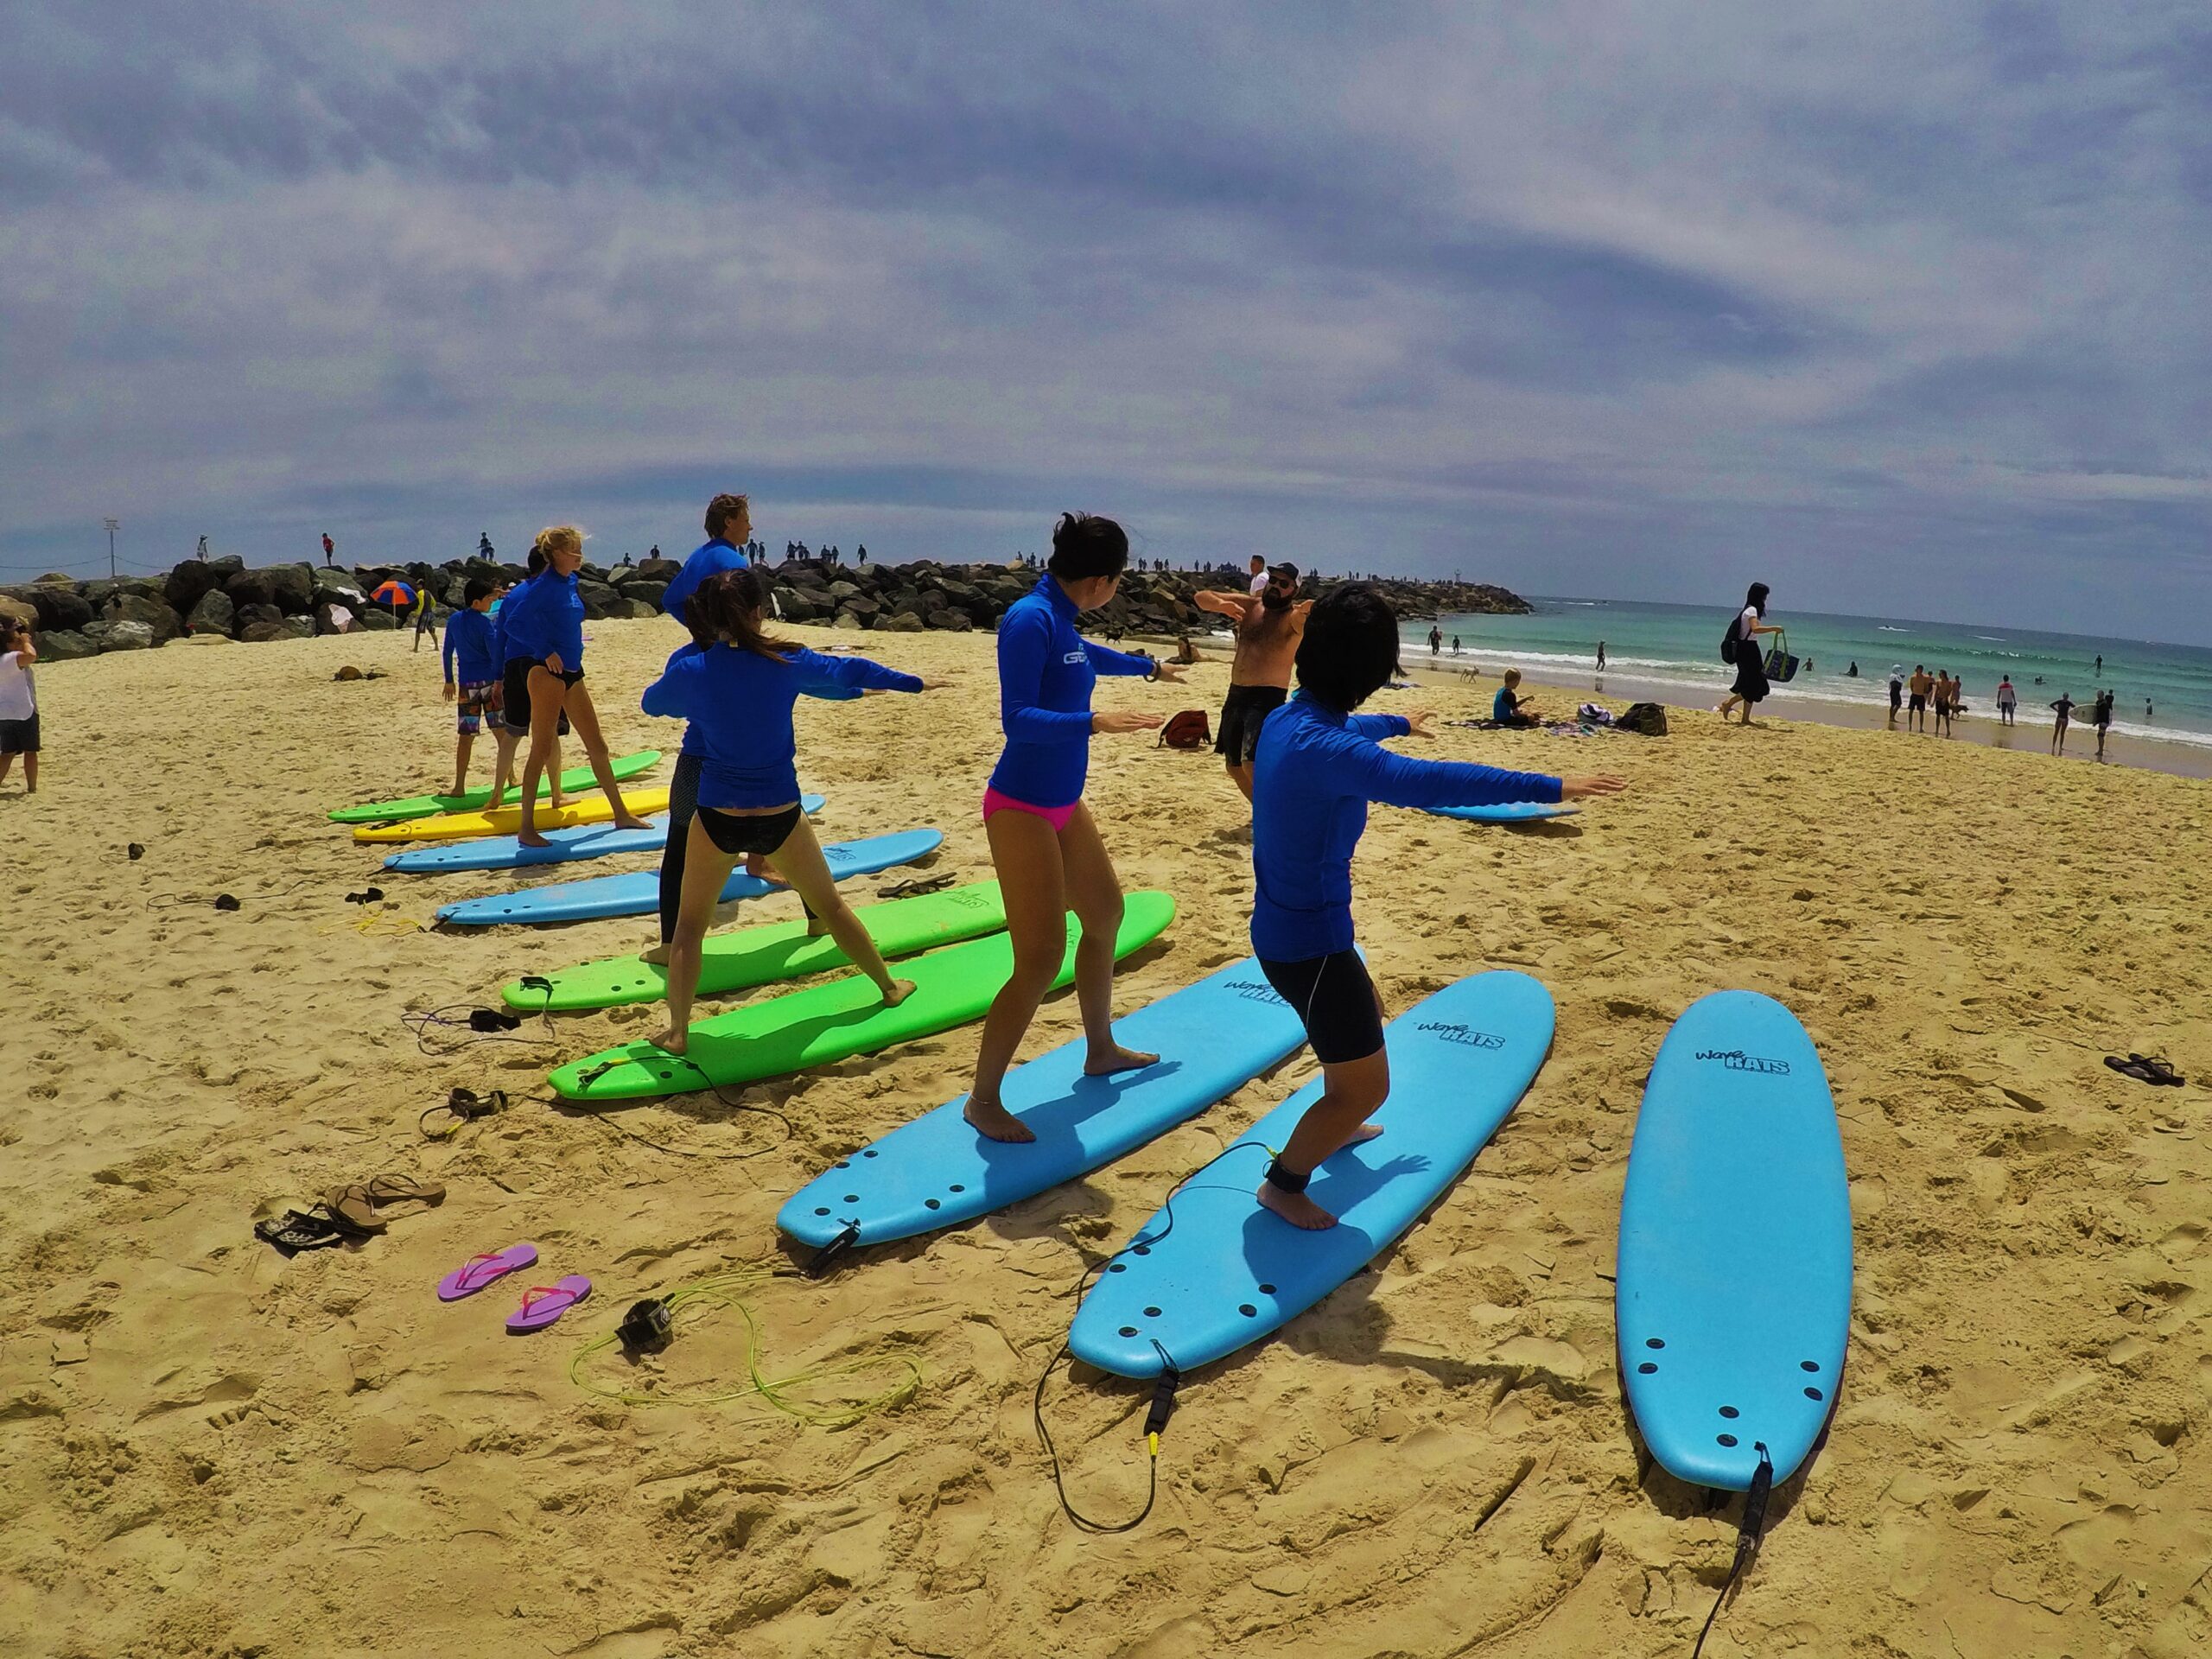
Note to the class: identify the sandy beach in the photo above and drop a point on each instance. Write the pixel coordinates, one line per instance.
(211, 1450)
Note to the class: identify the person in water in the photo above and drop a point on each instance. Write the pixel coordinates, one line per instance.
(1044, 844)
(2100, 713)
(1435, 639)
(2008, 699)
(2064, 710)
(1506, 708)
(1268, 626)
(1601, 656)
(1750, 686)
(737, 692)
(1319, 764)
(543, 624)
(472, 646)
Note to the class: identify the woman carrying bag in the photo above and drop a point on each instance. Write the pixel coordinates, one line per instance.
(1741, 647)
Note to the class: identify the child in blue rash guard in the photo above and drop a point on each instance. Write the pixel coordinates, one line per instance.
(1044, 843)
(737, 693)
(471, 645)
(1317, 767)
(543, 624)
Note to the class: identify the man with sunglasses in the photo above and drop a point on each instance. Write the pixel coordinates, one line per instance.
(1269, 623)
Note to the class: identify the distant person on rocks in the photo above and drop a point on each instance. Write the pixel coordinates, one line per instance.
(1896, 690)
(2008, 699)
(470, 654)
(203, 549)
(860, 554)
(1743, 649)
(1506, 707)
(627, 563)
(1268, 628)
(18, 702)
(2064, 710)
(1259, 581)
(2100, 712)
(329, 548)
(654, 552)
(484, 544)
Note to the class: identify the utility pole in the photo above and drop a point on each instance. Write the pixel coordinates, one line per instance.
(112, 527)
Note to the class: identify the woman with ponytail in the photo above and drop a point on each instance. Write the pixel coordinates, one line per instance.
(737, 692)
(1046, 846)
(543, 623)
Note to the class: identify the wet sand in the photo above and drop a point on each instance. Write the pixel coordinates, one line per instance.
(211, 1450)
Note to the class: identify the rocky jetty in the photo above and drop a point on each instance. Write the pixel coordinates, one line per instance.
(226, 599)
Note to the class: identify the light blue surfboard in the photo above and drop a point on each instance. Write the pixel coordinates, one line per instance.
(1215, 1271)
(1211, 1037)
(578, 841)
(1507, 812)
(638, 892)
(1732, 1301)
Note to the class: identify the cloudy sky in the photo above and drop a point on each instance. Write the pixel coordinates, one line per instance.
(1901, 307)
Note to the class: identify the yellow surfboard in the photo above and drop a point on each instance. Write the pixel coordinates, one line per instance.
(459, 826)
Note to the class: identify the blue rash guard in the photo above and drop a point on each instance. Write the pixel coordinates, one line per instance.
(738, 703)
(709, 559)
(472, 642)
(1313, 775)
(1045, 673)
(544, 616)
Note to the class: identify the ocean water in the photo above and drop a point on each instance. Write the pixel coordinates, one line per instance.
(1679, 646)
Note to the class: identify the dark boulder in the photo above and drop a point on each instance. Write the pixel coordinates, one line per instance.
(905, 622)
(248, 589)
(650, 592)
(245, 616)
(188, 580)
(599, 600)
(120, 636)
(65, 645)
(293, 587)
(377, 620)
(284, 627)
(951, 621)
(154, 613)
(214, 613)
(661, 570)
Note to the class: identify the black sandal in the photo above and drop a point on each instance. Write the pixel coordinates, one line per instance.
(309, 1230)
(914, 885)
(2145, 1069)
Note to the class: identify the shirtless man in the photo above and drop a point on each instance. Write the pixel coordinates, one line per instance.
(1270, 624)
(1917, 710)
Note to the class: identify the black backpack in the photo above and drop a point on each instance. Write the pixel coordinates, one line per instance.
(1728, 641)
(1646, 719)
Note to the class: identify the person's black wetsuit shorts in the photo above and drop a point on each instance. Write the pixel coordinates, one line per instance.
(1241, 712)
(1335, 998)
(514, 696)
(738, 833)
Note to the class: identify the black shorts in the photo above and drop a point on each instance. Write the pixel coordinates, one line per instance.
(514, 695)
(737, 833)
(19, 736)
(1241, 712)
(1919, 703)
(1335, 998)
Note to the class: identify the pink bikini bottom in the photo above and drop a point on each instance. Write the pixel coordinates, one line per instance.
(1058, 816)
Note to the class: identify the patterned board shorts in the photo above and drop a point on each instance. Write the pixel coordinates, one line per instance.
(478, 702)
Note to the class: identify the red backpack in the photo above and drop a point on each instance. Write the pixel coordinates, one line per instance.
(1188, 730)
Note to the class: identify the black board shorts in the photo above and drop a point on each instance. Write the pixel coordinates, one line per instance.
(738, 833)
(1335, 998)
(514, 696)
(19, 736)
(1242, 712)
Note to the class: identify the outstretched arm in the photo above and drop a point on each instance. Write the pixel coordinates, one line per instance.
(851, 674)
(1236, 606)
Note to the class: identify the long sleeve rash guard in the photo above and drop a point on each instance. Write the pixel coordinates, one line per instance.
(740, 702)
(1313, 775)
(709, 559)
(470, 640)
(1045, 674)
(542, 617)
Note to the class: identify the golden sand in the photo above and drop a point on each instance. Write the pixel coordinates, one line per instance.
(210, 1450)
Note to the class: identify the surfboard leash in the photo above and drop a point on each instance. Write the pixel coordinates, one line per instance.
(1747, 1539)
(1164, 1390)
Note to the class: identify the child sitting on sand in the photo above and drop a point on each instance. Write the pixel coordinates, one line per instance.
(1506, 708)
(18, 702)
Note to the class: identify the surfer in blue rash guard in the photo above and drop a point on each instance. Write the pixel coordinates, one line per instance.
(738, 694)
(1317, 767)
(1043, 842)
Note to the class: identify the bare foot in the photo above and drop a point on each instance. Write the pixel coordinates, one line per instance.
(631, 821)
(1364, 1132)
(531, 838)
(673, 1039)
(900, 991)
(817, 929)
(657, 955)
(1295, 1208)
(994, 1123)
(1117, 1059)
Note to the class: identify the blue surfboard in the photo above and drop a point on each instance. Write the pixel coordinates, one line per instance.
(1215, 1271)
(638, 892)
(1732, 1302)
(1507, 812)
(578, 841)
(1211, 1037)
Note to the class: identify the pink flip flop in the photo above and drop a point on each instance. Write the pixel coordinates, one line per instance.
(482, 1270)
(543, 1304)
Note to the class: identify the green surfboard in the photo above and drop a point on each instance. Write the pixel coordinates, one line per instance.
(830, 1022)
(747, 956)
(425, 806)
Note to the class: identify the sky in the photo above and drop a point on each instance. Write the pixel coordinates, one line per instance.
(1900, 308)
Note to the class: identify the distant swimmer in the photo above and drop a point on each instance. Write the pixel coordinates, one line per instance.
(1319, 764)
(737, 695)
(2008, 699)
(2100, 665)
(2064, 708)
(1506, 708)
(2146, 708)
(1917, 711)
(1268, 627)
(1851, 673)
(1044, 844)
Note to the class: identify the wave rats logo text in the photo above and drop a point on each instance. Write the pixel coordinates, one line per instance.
(1735, 1060)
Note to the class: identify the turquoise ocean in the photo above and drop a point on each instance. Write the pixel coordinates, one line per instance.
(1677, 648)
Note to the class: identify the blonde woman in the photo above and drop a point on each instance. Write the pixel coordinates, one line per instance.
(542, 622)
